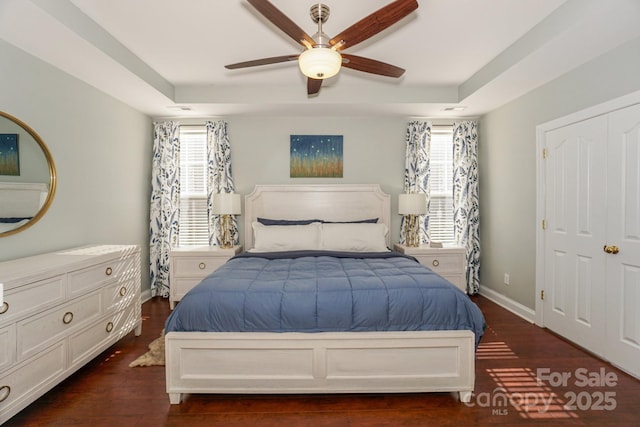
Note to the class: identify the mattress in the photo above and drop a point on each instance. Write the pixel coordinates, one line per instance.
(325, 291)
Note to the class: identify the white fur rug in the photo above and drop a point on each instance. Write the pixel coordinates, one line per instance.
(155, 355)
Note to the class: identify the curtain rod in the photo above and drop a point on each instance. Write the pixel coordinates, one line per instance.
(189, 120)
(442, 120)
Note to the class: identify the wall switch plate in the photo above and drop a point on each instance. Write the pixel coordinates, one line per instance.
(506, 279)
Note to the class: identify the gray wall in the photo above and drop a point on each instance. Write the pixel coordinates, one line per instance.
(508, 164)
(102, 152)
(374, 151)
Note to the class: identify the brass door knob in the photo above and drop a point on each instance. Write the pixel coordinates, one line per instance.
(611, 249)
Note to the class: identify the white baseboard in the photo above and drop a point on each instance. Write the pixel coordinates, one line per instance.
(507, 303)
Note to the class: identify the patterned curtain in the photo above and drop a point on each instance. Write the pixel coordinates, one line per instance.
(165, 204)
(220, 177)
(416, 171)
(466, 204)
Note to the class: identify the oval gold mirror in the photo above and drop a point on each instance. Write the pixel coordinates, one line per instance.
(27, 176)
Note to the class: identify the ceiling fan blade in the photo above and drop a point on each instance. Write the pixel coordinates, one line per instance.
(282, 21)
(371, 66)
(263, 61)
(313, 86)
(374, 23)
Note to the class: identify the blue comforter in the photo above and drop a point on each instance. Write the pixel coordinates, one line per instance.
(320, 291)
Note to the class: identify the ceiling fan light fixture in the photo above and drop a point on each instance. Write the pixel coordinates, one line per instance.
(320, 62)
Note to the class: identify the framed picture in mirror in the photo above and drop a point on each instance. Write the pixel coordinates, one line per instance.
(9, 154)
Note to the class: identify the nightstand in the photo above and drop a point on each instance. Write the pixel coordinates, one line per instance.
(188, 265)
(448, 261)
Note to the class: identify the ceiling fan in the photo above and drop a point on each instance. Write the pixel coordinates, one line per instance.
(322, 57)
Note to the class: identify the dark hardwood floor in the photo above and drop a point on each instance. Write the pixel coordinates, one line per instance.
(513, 352)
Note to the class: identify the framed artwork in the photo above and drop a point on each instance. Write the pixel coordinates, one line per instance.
(316, 156)
(9, 157)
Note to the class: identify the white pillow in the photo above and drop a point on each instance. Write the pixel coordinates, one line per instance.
(275, 238)
(355, 237)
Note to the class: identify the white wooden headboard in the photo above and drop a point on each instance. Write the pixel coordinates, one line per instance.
(331, 202)
(21, 199)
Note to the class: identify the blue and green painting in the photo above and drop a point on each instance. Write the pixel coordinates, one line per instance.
(9, 161)
(316, 156)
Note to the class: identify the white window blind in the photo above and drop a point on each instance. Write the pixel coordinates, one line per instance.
(194, 229)
(441, 178)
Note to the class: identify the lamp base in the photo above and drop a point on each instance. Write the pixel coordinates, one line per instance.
(226, 239)
(411, 231)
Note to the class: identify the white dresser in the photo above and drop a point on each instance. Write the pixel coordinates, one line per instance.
(60, 310)
(449, 261)
(188, 265)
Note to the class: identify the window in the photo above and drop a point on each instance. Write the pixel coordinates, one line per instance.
(441, 179)
(194, 228)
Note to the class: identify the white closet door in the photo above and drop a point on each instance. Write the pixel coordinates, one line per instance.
(623, 231)
(576, 208)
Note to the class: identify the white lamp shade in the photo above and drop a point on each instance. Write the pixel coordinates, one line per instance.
(226, 204)
(412, 204)
(320, 62)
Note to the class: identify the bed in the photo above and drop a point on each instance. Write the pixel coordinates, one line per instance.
(297, 342)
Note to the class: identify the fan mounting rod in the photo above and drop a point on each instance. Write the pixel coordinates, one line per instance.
(319, 13)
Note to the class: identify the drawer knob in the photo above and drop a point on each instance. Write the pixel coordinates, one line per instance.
(108, 271)
(67, 318)
(435, 263)
(202, 266)
(5, 391)
(109, 327)
(4, 307)
(123, 291)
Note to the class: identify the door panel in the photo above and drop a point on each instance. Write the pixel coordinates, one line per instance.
(576, 227)
(623, 230)
(584, 303)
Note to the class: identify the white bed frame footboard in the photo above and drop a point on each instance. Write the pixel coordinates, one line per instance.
(328, 362)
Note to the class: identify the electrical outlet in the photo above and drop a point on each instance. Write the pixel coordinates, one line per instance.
(506, 279)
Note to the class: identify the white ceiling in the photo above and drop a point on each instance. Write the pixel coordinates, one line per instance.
(166, 57)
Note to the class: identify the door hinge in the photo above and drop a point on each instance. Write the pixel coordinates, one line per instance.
(544, 153)
(544, 224)
(542, 295)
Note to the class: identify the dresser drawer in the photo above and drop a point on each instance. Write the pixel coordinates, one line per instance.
(32, 378)
(7, 346)
(32, 298)
(93, 277)
(182, 286)
(38, 332)
(196, 266)
(91, 341)
(459, 280)
(118, 295)
(442, 263)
